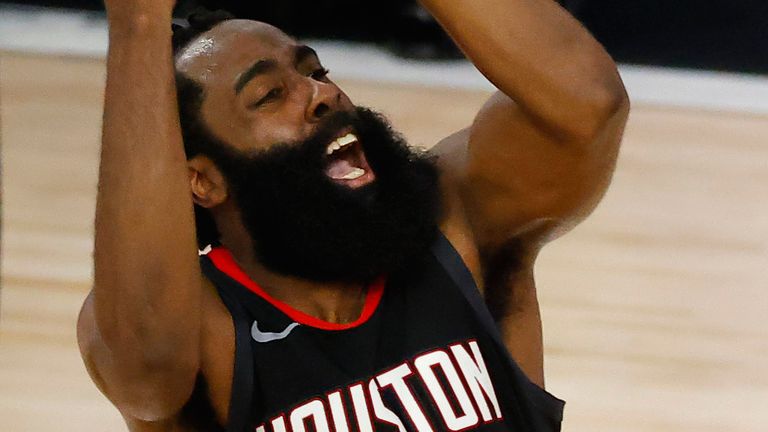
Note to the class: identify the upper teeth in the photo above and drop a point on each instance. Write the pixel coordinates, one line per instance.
(341, 142)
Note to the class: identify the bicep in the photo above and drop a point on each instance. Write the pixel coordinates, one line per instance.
(520, 179)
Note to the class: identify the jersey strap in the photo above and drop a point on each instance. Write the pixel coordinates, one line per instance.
(454, 265)
(240, 404)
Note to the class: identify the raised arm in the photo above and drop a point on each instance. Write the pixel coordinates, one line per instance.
(139, 329)
(542, 148)
(541, 152)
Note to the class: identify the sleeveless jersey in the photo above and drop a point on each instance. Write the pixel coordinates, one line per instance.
(424, 355)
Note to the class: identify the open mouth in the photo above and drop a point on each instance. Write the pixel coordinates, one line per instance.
(346, 163)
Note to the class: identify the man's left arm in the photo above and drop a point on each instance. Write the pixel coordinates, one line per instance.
(540, 153)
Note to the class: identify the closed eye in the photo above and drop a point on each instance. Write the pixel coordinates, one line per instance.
(272, 95)
(319, 74)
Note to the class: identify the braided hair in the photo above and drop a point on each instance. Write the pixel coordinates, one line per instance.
(197, 138)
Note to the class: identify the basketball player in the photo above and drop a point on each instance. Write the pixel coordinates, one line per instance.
(340, 273)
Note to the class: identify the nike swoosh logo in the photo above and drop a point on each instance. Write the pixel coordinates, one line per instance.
(264, 337)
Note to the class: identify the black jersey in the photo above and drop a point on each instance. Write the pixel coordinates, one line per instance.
(423, 356)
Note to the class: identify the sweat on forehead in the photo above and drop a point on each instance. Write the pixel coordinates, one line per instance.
(230, 41)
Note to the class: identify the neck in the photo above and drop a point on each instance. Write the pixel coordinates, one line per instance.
(334, 302)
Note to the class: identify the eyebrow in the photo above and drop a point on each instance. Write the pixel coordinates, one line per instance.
(302, 52)
(260, 67)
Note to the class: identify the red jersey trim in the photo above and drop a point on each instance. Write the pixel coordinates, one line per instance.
(222, 259)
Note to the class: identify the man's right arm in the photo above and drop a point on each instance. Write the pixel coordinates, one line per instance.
(139, 329)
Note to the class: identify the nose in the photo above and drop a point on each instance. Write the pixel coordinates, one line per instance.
(325, 99)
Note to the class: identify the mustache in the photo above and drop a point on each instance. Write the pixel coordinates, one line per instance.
(327, 130)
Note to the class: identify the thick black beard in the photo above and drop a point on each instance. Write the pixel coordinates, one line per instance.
(303, 224)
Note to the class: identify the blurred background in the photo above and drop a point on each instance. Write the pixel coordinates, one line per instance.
(655, 308)
(712, 34)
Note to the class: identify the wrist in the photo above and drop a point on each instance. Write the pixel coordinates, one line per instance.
(138, 24)
(138, 20)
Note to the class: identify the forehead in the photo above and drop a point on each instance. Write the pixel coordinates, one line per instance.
(230, 47)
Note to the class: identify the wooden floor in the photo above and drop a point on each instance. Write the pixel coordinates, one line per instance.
(655, 309)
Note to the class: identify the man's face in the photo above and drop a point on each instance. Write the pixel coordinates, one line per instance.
(262, 88)
(325, 189)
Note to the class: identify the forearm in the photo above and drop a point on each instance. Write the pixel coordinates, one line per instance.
(539, 56)
(146, 276)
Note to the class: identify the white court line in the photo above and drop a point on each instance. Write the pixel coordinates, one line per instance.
(66, 32)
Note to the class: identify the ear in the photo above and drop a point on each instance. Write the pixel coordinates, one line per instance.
(207, 183)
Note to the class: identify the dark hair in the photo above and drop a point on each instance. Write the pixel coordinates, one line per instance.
(200, 21)
(197, 138)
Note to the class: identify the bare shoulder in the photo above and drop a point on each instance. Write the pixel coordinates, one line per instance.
(498, 272)
(463, 231)
(94, 353)
(217, 345)
(451, 155)
(451, 151)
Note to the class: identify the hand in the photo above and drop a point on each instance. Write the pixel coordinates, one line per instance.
(132, 10)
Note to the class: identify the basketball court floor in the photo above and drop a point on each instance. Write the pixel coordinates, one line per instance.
(655, 309)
